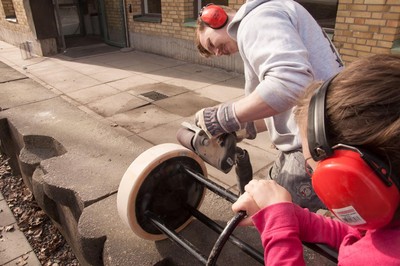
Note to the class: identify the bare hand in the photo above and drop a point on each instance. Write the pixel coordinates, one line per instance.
(260, 194)
(246, 203)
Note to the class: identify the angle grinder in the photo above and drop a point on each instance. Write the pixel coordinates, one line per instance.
(219, 152)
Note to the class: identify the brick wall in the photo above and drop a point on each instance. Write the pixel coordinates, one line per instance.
(366, 27)
(19, 11)
(174, 14)
(113, 15)
(8, 8)
(236, 3)
(115, 21)
(363, 27)
(22, 31)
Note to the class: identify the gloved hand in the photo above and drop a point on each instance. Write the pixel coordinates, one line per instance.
(248, 132)
(222, 119)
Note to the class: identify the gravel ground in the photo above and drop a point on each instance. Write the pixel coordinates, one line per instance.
(47, 242)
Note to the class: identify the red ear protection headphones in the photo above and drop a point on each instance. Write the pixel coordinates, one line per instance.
(213, 16)
(358, 187)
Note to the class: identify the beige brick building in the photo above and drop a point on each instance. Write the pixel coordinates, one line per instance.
(166, 27)
(20, 22)
(365, 27)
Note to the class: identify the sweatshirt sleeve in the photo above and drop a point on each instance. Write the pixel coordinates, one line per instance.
(315, 228)
(284, 226)
(279, 230)
(277, 56)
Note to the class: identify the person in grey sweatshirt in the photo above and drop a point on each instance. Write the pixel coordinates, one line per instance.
(283, 49)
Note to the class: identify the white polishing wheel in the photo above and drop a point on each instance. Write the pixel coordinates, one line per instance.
(156, 182)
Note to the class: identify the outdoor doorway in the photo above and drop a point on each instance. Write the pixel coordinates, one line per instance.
(79, 22)
(89, 22)
(112, 22)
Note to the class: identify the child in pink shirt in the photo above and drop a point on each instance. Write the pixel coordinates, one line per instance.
(350, 127)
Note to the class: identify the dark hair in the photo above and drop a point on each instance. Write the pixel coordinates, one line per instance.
(363, 106)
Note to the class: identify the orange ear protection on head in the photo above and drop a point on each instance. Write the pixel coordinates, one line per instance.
(213, 16)
(358, 187)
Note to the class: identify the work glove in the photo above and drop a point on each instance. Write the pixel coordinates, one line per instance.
(222, 119)
(249, 132)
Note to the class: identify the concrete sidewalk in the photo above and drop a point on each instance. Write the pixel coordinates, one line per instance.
(74, 125)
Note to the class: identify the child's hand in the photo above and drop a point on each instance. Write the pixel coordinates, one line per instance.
(260, 194)
(246, 203)
(267, 192)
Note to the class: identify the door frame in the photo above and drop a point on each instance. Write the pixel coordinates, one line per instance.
(104, 28)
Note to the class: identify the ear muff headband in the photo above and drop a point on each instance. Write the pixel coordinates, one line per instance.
(355, 185)
(316, 132)
(213, 16)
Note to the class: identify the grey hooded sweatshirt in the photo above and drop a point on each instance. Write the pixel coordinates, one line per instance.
(284, 50)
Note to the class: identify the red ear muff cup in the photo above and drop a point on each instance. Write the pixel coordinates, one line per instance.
(214, 16)
(353, 192)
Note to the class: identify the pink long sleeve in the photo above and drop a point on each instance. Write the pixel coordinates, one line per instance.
(376, 247)
(280, 235)
(284, 226)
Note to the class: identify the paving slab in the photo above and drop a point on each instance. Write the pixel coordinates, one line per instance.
(8, 73)
(117, 103)
(16, 239)
(28, 259)
(185, 104)
(93, 93)
(21, 92)
(14, 247)
(6, 216)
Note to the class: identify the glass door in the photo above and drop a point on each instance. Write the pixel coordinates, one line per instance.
(111, 15)
(70, 17)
